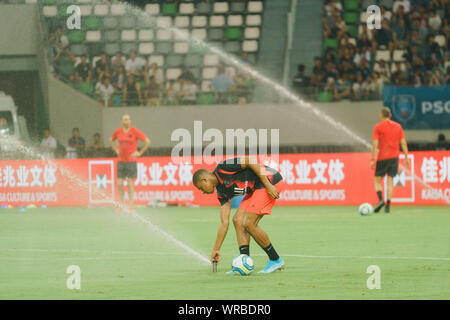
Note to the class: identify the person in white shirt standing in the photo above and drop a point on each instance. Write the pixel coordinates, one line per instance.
(48, 145)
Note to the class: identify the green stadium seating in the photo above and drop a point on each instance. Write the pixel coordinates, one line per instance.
(351, 5)
(76, 36)
(195, 48)
(234, 34)
(353, 30)
(325, 96)
(48, 2)
(169, 8)
(206, 98)
(330, 43)
(351, 17)
(92, 23)
(86, 88)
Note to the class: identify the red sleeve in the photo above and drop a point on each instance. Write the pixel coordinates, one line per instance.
(114, 135)
(139, 134)
(375, 134)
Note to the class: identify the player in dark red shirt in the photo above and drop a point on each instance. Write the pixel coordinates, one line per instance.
(387, 136)
(128, 137)
(260, 187)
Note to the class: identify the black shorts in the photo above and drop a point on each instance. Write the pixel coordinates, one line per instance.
(126, 170)
(387, 166)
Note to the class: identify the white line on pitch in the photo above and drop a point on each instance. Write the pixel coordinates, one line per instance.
(361, 257)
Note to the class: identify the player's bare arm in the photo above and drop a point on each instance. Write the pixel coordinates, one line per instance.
(222, 231)
(374, 153)
(112, 143)
(247, 162)
(143, 149)
(404, 146)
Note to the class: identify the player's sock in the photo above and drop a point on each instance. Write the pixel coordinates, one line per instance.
(388, 206)
(244, 250)
(380, 195)
(270, 250)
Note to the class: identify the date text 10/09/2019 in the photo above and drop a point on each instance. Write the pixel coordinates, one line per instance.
(234, 309)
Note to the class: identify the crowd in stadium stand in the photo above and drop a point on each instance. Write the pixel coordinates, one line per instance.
(133, 81)
(353, 69)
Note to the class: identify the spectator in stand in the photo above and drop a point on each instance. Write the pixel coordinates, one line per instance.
(105, 92)
(153, 92)
(441, 144)
(383, 70)
(447, 80)
(385, 13)
(435, 22)
(330, 6)
(96, 149)
(117, 62)
(363, 52)
(436, 78)
(171, 93)
(375, 86)
(102, 68)
(343, 88)
(119, 78)
(384, 37)
(186, 74)
(61, 40)
(404, 3)
(221, 85)
(318, 73)
(300, 82)
(155, 72)
(48, 145)
(135, 66)
(76, 145)
(65, 65)
(399, 32)
(330, 71)
(360, 88)
(188, 92)
(83, 70)
(329, 23)
(244, 57)
(132, 95)
(363, 68)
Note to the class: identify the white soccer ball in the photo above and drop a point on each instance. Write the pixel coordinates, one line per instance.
(242, 265)
(365, 209)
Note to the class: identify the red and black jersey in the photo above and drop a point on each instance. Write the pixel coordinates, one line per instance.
(236, 181)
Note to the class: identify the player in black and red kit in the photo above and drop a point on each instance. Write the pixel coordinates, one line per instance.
(260, 187)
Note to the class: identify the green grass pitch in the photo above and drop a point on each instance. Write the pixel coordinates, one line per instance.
(326, 249)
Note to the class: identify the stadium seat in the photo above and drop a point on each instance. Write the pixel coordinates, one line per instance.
(255, 6)
(221, 7)
(76, 36)
(351, 17)
(234, 34)
(181, 21)
(234, 20)
(204, 8)
(96, 48)
(199, 21)
(128, 35)
(205, 86)
(353, 30)
(181, 47)
(250, 46)
(146, 48)
(50, 11)
(101, 10)
(251, 33)
(91, 23)
(253, 20)
(85, 10)
(199, 33)
(193, 61)
(187, 8)
(163, 35)
(209, 73)
(127, 22)
(173, 73)
(237, 7)
(211, 60)
(351, 5)
(399, 55)
(117, 9)
(112, 35)
(232, 46)
(215, 34)
(330, 43)
(49, 2)
(93, 36)
(181, 34)
(126, 48)
(164, 22)
(325, 96)
(145, 35)
(159, 60)
(205, 98)
(382, 55)
(112, 48)
(163, 47)
(196, 73)
(197, 48)
(152, 9)
(31, 1)
(217, 21)
(387, 3)
(78, 49)
(174, 61)
(110, 23)
(169, 8)
(86, 88)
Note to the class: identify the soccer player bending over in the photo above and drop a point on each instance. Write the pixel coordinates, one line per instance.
(387, 135)
(260, 187)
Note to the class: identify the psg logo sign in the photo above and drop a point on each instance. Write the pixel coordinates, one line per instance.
(403, 107)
